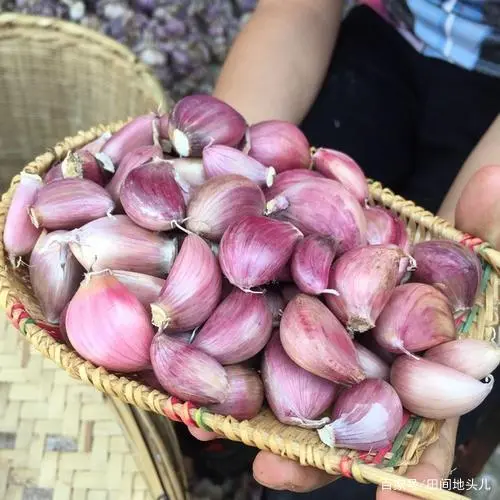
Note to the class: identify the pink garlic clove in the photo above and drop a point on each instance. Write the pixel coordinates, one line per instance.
(321, 206)
(289, 178)
(55, 274)
(245, 396)
(365, 278)
(83, 164)
(117, 243)
(254, 249)
(222, 201)
(223, 160)
(311, 262)
(132, 160)
(198, 121)
(366, 417)
(146, 288)
(340, 167)
(415, 318)
(96, 145)
(55, 173)
(276, 304)
(384, 228)
(188, 373)
(279, 144)
(432, 390)
(238, 329)
(118, 341)
(476, 358)
(452, 268)
(192, 289)
(152, 199)
(70, 203)
(135, 134)
(20, 235)
(313, 337)
(296, 396)
(371, 364)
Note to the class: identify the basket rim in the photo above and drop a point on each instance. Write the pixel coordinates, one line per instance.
(47, 25)
(133, 392)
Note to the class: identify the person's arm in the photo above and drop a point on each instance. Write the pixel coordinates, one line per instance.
(277, 64)
(487, 152)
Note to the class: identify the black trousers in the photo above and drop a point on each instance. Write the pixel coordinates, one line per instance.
(410, 122)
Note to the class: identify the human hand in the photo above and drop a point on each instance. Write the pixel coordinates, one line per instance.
(280, 473)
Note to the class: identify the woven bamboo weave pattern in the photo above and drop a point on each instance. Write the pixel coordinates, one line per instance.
(57, 78)
(264, 431)
(59, 438)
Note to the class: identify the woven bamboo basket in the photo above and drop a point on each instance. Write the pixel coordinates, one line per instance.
(57, 78)
(265, 432)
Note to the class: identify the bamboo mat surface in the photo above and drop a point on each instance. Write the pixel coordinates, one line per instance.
(59, 438)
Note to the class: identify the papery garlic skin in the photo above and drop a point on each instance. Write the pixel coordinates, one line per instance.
(117, 243)
(189, 172)
(19, 234)
(188, 373)
(279, 144)
(237, 329)
(340, 167)
(371, 364)
(55, 274)
(70, 203)
(452, 268)
(146, 288)
(367, 416)
(416, 317)
(474, 357)
(245, 395)
(222, 201)
(135, 134)
(223, 160)
(311, 262)
(192, 289)
(119, 341)
(321, 206)
(197, 121)
(365, 278)
(296, 396)
(254, 249)
(436, 391)
(314, 339)
(132, 160)
(151, 197)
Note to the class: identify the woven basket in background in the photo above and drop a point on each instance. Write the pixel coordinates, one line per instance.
(264, 431)
(57, 78)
